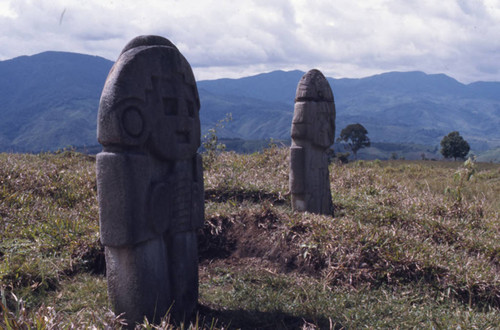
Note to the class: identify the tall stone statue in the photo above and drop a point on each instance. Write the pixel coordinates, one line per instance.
(150, 181)
(313, 132)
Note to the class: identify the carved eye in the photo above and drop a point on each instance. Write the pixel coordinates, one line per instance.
(132, 121)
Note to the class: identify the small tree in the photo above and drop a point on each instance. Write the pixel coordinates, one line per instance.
(355, 137)
(211, 142)
(453, 145)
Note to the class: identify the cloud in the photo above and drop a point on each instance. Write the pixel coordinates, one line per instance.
(220, 38)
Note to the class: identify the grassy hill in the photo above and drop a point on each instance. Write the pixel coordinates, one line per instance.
(412, 244)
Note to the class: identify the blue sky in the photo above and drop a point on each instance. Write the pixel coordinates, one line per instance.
(234, 38)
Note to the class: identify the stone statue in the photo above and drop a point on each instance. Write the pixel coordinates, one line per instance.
(150, 181)
(313, 132)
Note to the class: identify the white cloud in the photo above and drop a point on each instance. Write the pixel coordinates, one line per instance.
(232, 38)
(6, 10)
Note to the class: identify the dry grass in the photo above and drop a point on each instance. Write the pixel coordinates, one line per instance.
(412, 244)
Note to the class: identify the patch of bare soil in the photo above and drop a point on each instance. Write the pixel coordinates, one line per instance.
(261, 241)
(251, 239)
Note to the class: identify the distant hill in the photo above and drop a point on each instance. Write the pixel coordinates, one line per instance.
(396, 107)
(50, 100)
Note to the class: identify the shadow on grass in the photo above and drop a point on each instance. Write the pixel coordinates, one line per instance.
(243, 319)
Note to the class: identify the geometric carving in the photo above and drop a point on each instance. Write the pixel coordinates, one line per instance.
(132, 121)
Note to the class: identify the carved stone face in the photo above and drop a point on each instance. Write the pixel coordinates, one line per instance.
(150, 103)
(314, 114)
(313, 86)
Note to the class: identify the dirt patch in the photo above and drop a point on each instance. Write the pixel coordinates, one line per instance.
(260, 235)
(215, 240)
(89, 258)
(240, 195)
(263, 240)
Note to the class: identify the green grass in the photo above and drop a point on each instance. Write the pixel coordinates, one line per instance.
(412, 244)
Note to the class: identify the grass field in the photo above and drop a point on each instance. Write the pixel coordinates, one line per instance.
(412, 244)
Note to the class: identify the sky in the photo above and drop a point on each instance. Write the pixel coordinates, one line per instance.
(235, 38)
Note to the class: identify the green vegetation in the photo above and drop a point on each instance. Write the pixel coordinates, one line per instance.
(454, 145)
(355, 135)
(211, 145)
(412, 244)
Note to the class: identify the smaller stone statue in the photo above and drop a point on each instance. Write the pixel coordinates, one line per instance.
(313, 132)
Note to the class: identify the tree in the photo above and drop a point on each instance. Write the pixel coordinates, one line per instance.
(355, 136)
(453, 145)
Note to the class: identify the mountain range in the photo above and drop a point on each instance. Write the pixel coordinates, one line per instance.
(50, 100)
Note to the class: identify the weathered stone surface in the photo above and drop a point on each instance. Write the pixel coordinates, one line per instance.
(150, 181)
(313, 132)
